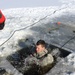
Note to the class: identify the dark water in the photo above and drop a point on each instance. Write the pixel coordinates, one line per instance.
(2, 71)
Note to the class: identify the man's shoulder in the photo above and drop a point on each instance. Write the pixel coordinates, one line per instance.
(46, 51)
(47, 60)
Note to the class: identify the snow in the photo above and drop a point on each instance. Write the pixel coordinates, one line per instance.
(21, 21)
(26, 17)
(64, 67)
(70, 60)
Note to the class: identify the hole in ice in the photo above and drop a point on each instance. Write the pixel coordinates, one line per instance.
(18, 60)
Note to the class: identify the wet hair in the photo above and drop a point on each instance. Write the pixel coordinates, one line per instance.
(41, 42)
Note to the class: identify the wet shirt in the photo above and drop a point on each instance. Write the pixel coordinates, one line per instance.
(42, 59)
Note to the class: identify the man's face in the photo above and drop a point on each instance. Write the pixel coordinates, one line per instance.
(39, 48)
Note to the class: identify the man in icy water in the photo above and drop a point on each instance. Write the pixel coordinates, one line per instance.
(42, 53)
(41, 57)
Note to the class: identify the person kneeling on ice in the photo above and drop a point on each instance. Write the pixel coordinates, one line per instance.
(41, 57)
(2, 20)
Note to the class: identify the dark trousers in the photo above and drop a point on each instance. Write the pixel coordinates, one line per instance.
(2, 25)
